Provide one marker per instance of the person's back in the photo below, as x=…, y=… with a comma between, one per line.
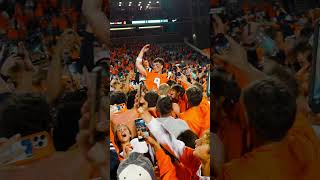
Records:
x=174, y=126
x=193, y=115
x=285, y=144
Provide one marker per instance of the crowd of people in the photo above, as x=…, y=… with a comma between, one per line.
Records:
x=48, y=62
x=262, y=123
x=160, y=112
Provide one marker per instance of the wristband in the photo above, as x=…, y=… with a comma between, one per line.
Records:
x=139, y=59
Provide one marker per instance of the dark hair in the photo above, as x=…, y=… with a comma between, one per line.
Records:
x=194, y=96
x=164, y=106
x=159, y=60
x=131, y=97
x=25, y=114
x=66, y=126
x=152, y=98
x=118, y=97
x=285, y=75
x=303, y=48
x=189, y=138
x=271, y=108
x=178, y=88
x=171, y=82
x=198, y=85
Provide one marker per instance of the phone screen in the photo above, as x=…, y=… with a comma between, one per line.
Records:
x=314, y=98
x=141, y=126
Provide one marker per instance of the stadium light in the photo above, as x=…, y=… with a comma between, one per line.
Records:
x=150, y=27
x=121, y=29
x=157, y=2
x=149, y=2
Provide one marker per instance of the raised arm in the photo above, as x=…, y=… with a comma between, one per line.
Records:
x=54, y=75
x=139, y=64
x=99, y=22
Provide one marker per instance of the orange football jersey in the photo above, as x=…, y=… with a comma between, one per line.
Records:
x=153, y=80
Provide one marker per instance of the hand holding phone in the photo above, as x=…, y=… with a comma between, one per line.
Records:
x=220, y=43
x=141, y=127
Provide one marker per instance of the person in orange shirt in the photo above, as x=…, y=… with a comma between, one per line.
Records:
x=166, y=167
x=39, y=11
x=12, y=34
x=62, y=23
x=193, y=116
x=281, y=144
x=154, y=78
x=197, y=160
x=177, y=94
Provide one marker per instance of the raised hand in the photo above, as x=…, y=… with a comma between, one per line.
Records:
x=236, y=55
x=145, y=48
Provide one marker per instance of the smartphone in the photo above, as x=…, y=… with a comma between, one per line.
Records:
x=95, y=96
x=220, y=43
x=31, y=148
x=314, y=95
x=141, y=126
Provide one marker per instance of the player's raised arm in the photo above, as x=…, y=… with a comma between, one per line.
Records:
x=139, y=64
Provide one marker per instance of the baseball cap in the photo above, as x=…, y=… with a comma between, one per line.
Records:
x=136, y=167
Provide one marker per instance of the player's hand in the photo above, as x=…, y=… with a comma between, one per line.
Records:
x=236, y=55
x=145, y=48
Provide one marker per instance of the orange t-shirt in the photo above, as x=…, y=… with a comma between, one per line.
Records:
x=54, y=22
x=296, y=157
x=167, y=170
x=12, y=34
x=39, y=11
x=3, y=23
x=205, y=112
x=63, y=23
x=154, y=80
x=233, y=131
x=183, y=103
x=195, y=120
